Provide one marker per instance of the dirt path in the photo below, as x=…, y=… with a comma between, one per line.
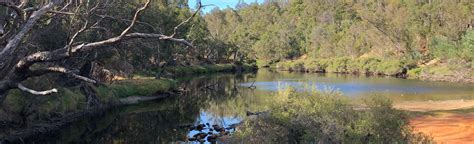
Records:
x=447, y=128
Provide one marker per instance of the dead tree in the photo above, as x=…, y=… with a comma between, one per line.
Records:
x=14, y=70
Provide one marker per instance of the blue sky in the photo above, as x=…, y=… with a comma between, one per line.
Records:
x=219, y=3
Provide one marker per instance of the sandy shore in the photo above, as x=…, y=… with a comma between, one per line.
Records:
x=425, y=106
x=444, y=127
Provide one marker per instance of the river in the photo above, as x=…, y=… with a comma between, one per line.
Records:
x=225, y=99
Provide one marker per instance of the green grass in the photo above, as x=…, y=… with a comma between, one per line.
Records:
x=15, y=101
x=197, y=69
x=66, y=100
x=128, y=88
x=73, y=100
x=415, y=73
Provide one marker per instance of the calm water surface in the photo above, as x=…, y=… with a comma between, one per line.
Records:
x=225, y=99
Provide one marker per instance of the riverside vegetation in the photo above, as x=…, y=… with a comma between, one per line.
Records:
x=22, y=110
x=431, y=40
x=130, y=48
x=329, y=117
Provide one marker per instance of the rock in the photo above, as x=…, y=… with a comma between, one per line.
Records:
x=255, y=113
x=222, y=132
x=250, y=113
x=200, y=135
x=200, y=127
x=217, y=128
x=192, y=139
x=212, y=138
x=232, y=126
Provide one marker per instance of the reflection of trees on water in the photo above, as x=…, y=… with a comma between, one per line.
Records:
x=219, y=95
x=226, y=98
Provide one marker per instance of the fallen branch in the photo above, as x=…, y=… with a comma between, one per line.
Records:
x=47, y=92
x=62, y=71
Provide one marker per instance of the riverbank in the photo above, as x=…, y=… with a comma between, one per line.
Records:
x=448, y=121
x=447, y=126
x=177, y=71
x=451, y=71
x=22, y=114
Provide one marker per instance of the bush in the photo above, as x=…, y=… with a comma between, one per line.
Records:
x=389, y=67
x=415, y=73
x=345, y=65
x=338, y=65
x=328, y=117
x=467, y=43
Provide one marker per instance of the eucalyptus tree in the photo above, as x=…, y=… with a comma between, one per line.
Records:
x=25, y=21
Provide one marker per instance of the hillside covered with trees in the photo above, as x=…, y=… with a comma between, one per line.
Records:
x=428, y=37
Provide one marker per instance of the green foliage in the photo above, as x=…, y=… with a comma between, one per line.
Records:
x=467, y=43
x=15, y=101
x=202, y=69
x=278, y=31
x=138, y=88
x=390, y=67
x=415, y=73
x=329, y=117
x=66, y=100
x=346, y=65
x=444, y=48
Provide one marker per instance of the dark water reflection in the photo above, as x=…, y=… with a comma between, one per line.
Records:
x=224, y=100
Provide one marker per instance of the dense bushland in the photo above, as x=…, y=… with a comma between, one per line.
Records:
x=412, y=33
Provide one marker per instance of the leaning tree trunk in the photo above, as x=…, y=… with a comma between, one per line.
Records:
x=15, y=68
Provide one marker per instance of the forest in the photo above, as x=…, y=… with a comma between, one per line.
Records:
x=62, y=60
x=432, y=38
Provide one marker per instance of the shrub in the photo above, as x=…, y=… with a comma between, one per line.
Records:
x=389, y=67
x=328, y=117
x=338, y=65
x=415, y=73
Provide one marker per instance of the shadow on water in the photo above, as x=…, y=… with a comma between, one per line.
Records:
x=225, y=99
x=215, y=99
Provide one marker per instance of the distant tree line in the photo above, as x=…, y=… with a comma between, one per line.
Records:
x=278, y=30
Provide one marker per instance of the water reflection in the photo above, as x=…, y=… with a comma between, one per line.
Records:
x=224, y=100
x=360, y=86
x=213, y=99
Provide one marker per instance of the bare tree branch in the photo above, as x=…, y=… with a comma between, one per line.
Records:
x=187, y=20
x=20, y=12
x=13, y=43
x=61, y=70
x=7, y=54
x=135, y=18
x=127, y=20
x=75, y=35
x=47, y=92
x=23, y=3
x=22, y=69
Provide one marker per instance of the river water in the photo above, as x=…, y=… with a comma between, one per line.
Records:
x=225, y=99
